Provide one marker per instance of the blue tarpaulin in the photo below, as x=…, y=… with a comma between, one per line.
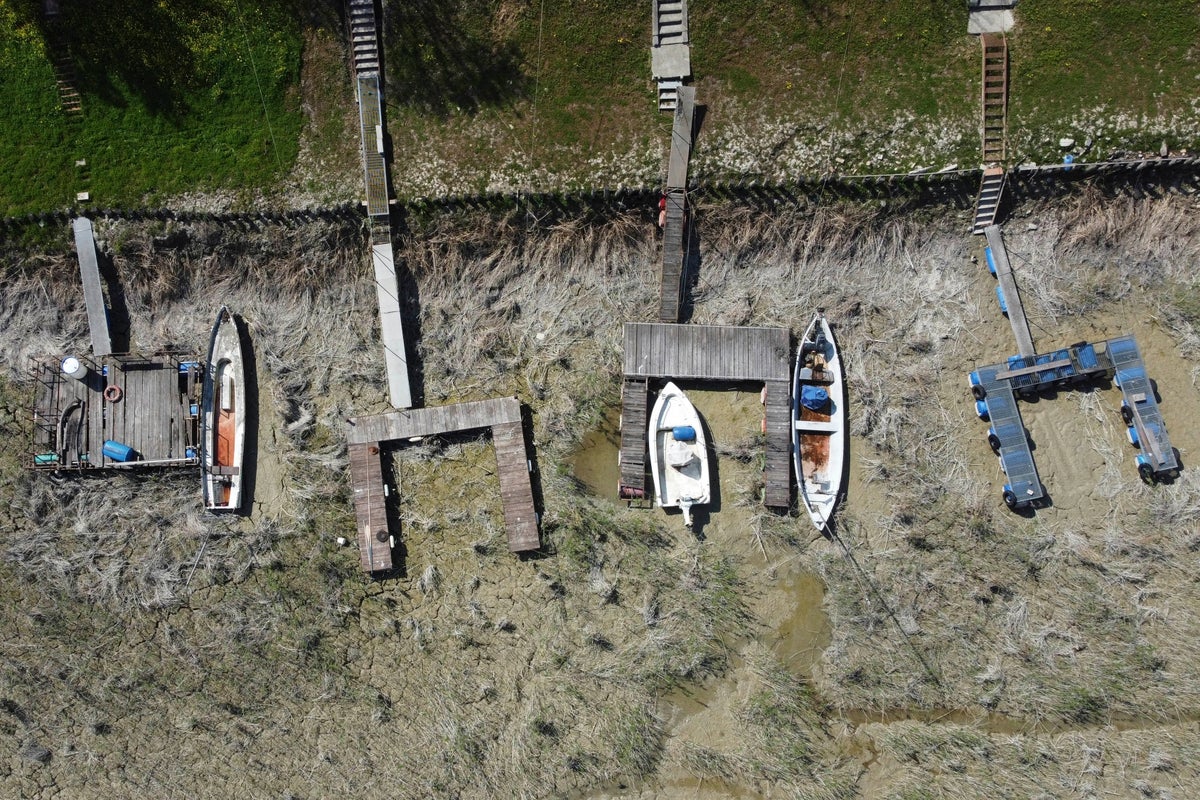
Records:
x=814, y=397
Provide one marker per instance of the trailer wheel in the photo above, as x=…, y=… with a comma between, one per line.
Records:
x=994, y=443
x=1146, y=473
x=1010, y=500
x=1127, y=415
x=978, y=392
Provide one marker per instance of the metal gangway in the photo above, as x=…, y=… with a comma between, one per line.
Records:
x=1141, y=413
x=995, y=402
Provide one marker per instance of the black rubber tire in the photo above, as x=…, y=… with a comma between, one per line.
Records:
x=1146, y=473
x=1126, y=415
x=994, y=443
x=1010, y=500
x=978, y=392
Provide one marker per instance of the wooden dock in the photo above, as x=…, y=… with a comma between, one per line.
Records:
x=370, y=507
x=1012, y=297
x=634, y=441
x=93, y=292
x=674, y=252
x=777, y=482
x=148, y=403
x=713, y=353
x=501, y=415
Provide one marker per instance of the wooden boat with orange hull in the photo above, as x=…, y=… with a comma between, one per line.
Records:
x=223, y=416
x=818, y=421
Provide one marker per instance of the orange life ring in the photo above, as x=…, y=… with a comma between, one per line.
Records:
x=113, y=393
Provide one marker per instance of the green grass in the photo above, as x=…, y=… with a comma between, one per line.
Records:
x=176, y=97
x=1134, y=59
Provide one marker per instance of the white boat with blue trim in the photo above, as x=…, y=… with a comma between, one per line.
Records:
x=678, y=454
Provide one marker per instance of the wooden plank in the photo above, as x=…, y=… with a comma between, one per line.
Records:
x=416, y=422
x=370, y=507
x=706, y=352
x=93, y=293
x=634, y=411
x=777, y=472
x=516, y=489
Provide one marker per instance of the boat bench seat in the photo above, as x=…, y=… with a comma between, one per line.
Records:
x=814, y=426
x=219, y=470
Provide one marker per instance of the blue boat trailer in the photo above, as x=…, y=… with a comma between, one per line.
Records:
x=1139, y=409
x=995, y=402
x=1069, y=366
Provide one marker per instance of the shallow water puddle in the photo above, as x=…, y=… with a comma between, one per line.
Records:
x=595, y=462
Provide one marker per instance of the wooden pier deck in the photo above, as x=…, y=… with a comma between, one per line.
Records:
x=777, y=483
x=155, y=413
x=501, y=415
x=370, y=507
x=674, y=253
x=93, y=292
x=634, y=441
x=1012, y=297
x=723, y=354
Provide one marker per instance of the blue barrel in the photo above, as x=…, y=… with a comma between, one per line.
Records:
x=684, y=433
x=1003, y=302
x=115, y=451
x=991, y=262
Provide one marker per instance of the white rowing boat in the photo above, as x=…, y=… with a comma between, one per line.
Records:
x=818, y=421
x=223, y=416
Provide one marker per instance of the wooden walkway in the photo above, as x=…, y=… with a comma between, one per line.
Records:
x=370, y=507
x=634, y=441
x=777, y=473
x=93, y=292
x=1012, y=297
x=674, y=253
x=501, y=415
x=155, y=413
x=713, y=353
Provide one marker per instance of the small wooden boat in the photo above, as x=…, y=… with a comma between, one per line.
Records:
x=678, y=453
x=223, y=416
x=818, y=421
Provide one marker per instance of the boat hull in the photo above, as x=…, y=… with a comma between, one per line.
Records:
x=678, y=453
x=818, y=422
x=223, y=417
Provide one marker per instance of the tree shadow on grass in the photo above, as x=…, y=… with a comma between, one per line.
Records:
x=436, y=63
x=134, y=43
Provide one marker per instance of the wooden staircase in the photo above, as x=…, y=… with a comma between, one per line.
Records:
x=364, y=37
x=987, y=206
x=995, y=97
